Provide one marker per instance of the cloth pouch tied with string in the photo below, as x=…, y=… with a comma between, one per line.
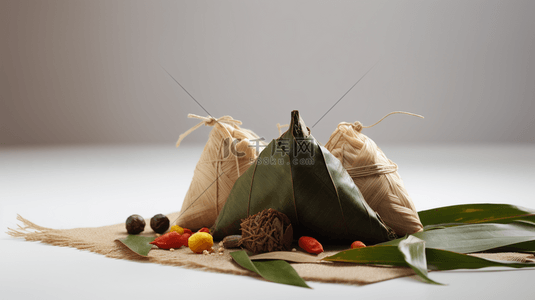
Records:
x=229, y=152
x=376, y=176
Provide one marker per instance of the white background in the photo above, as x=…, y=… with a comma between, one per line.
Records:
x=90, y=71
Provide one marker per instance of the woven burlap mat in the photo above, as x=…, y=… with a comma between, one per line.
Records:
x=102, y=240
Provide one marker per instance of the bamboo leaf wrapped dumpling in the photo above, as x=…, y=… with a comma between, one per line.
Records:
x=376, y=177
x=225, y=157
x=298, y=177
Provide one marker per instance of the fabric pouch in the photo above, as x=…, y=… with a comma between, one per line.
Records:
x=376, y=177
x=228, y=153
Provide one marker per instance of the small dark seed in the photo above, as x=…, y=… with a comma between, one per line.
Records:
x=159, y=223
x=135, y=224
x=231, y=241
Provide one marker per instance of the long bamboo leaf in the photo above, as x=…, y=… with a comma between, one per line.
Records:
x=413, y=251
x=436, y=259
x=525, y=247
x=447, y=260
x=475, y=213
x=290, y=256
x=478, y=237
x=277, y=271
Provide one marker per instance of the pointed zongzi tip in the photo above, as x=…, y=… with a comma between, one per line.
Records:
x=297, y=125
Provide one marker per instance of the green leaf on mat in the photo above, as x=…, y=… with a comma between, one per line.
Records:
x=447, y=260
x=374, y=255
x=298, y=257
x=478, y=237
x=436, y=259
x=137, y=243
x=475, y=213
x=277, y=271
x=413, y=251
x=525, y=247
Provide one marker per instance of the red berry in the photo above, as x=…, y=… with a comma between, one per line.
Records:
x=357, y=244
x=204, y=229
x=310, y=245
x=184, y=239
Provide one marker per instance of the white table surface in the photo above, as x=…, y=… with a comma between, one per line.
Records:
x=87, y=186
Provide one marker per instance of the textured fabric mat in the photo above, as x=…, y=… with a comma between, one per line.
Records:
x=102, y=240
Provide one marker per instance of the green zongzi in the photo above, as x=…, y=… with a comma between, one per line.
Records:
x=302, y=179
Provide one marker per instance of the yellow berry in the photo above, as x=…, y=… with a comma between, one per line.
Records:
x=177, y=228
x=200, y=241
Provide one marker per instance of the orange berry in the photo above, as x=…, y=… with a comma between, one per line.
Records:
x=357, y=244
x=310, y=245
x=204, y=229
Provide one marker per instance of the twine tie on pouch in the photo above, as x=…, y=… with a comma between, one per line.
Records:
x=358, y=126
x=374, y=169
x=207, y=121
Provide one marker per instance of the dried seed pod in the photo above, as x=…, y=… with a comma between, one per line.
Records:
x=231, y=241
x=266, y=231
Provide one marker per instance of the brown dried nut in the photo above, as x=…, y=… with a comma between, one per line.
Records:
x=135, y=224
x=159, y=223
x=231, y=241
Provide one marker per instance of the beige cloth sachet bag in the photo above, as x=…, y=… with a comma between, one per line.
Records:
x=228, y=153
x=375, y=175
